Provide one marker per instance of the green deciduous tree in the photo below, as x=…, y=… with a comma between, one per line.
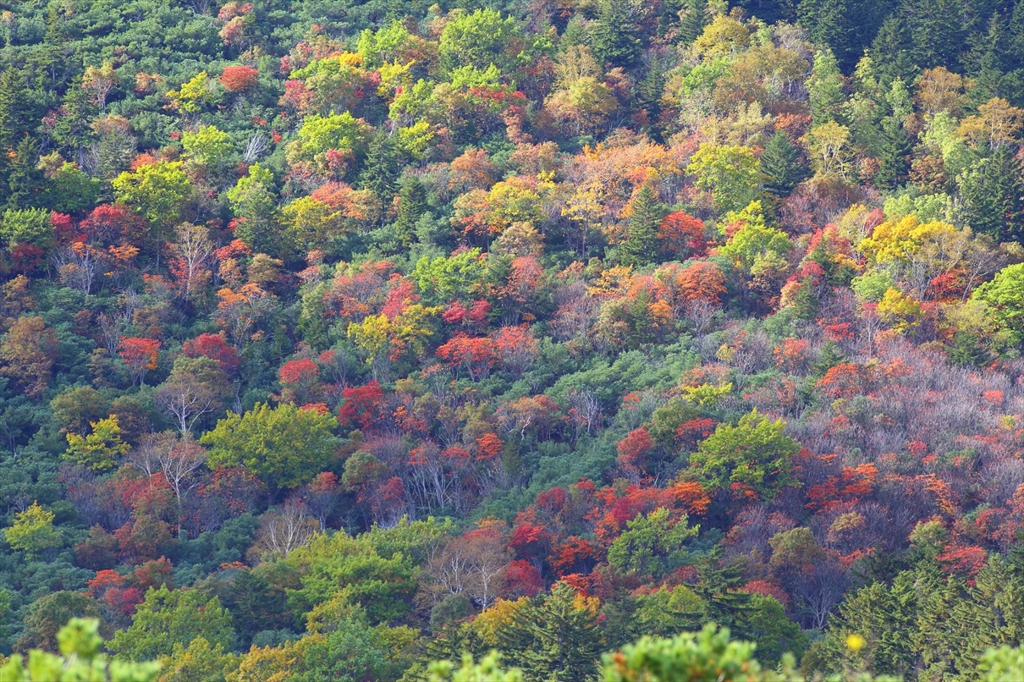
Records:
x=160, y=192
x=199, y=661
x=195, y=387
x=754, y=241
x=731, y=173
x=33, y=531
x=753, y=456
x=168, y=617
x=652, y=545
x=100, y=449
x=27, y=226
x=1004, y=295
x=80, y=643
x=380, y=581
x=479, y=39
x=284, y=445
x=330, y=144
x=48, y=614
x=208, y=150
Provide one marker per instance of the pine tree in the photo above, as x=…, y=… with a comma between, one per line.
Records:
x=641, y=245
x=56, y=27
x=993, y=193
x=613, y=38
x=412, y=203
x=780, y=164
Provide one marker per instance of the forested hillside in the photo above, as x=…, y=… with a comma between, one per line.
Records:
x=340, y=337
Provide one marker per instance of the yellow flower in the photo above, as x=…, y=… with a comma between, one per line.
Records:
x=855, y=643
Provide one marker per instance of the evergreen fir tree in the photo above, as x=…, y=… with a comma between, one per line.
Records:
x=991, y=616
x=967, y=350
x=826, y=21
x=934, y=638
x=994, y=66
x=1015, y=35
x=25, y=181
x=14, y=109
x=641, y=245
x=771, y=11
x=830, y=356
x=381, y=170
x=891, y=53
x=894, y=161
x=719, y=586
x=1015, y=557
x=669, y=16
x=553, y=637
x=938, y=30
x=825, y=88
x=650, y=90
x=412, y=203
x=885, y=617
x=613, y=38
x=694, y=21
x=780, y=164
x=72, y=130
x=993, y=193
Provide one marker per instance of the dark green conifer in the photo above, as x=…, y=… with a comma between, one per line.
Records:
x=381, y=170
x=993, y=193
x=781, y=166
x=894, y=161
x=641, y=245
x=412, y=203
x=552, y=638
x=613, y=38
x=26, y=183
x=694, y=20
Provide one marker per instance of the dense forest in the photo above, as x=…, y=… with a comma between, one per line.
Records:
x=340, y=338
